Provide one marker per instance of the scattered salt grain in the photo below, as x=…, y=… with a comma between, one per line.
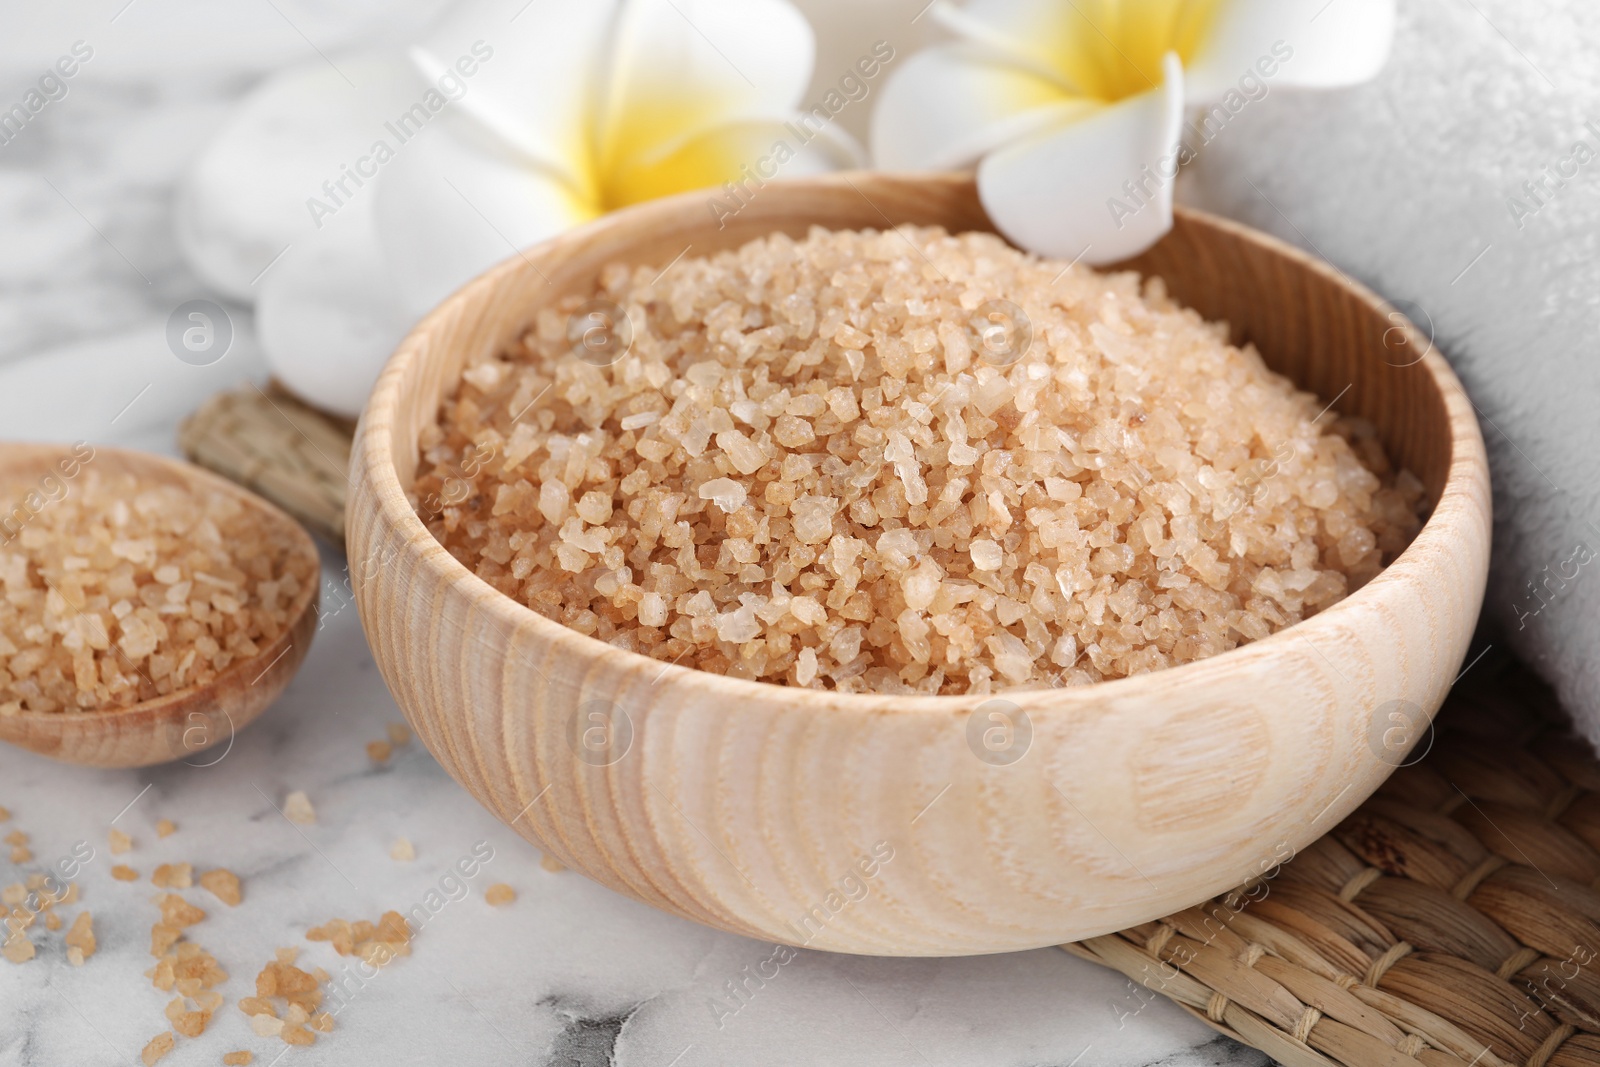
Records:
x=17, y=948
x=297, y=809
x=224, y=885
x=158, y=1047
x=80, y=939
x=173, y=876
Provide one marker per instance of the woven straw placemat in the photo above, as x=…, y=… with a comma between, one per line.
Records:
x=1452, y=920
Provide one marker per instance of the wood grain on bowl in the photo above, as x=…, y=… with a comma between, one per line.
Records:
x=186, y=723
x=924, y=825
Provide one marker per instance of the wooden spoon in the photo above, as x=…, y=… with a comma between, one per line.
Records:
x=182, y=724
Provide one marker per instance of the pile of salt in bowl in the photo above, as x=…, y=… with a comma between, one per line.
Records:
x=905, y=461
x=114, y=591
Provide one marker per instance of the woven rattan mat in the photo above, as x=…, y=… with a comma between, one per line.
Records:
x=1452, y=920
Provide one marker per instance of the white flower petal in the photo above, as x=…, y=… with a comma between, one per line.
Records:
x=243, y=200
x=535, y=72
x=680, y=67
x=1308, y=43
x=1058, y=193
x=329, y=314
x=950, y=104
x=449, y=206
x=1028, y=32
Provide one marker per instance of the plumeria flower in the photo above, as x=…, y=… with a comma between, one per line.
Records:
x=1073, y=110
x=349, y=197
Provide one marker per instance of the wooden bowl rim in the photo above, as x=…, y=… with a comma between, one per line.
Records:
x=157, y=707
x=1453, y=516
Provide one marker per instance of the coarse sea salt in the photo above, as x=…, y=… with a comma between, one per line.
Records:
x=122, y=591
x=807, y=470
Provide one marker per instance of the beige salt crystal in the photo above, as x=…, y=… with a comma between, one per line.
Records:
x=726, y=493
x=553, y=501
x=162, y=937
x=224, y=885
x=738, y=626
x=806, y=666
x=594, y=507
x=80, y=939
x=986, y=555
x=399, y=734
x=403, y=850
x=17, y=948
x=257, y=1006
x=745, y=456
x=812, y=519
x=297, y=809
x=178, y=913
x=499, y=894
x=652, y=609
x=921, y=585
x=158, y=1047
x=808, y=611
x=173, y=876
x=166, y=828
x=120, y=842
x=811, y=468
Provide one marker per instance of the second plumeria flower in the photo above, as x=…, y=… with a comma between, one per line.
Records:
x=1072, y=110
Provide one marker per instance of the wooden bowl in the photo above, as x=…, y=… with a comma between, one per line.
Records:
x=180, y=725
x=875, y=824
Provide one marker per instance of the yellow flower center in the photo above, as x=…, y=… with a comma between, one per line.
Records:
x=1112, y=49
x=642, y=152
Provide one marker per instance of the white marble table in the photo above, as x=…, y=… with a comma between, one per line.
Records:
x=569, y=974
